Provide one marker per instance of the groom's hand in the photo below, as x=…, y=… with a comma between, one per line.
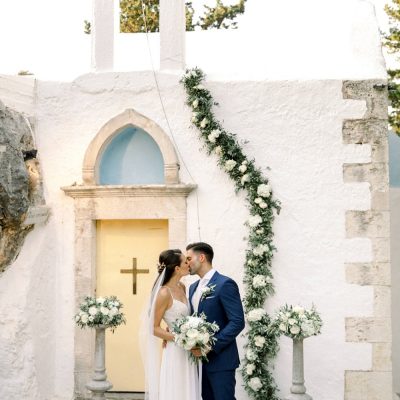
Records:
x=196, y=351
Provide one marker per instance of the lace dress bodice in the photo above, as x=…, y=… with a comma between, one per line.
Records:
x=176, y=311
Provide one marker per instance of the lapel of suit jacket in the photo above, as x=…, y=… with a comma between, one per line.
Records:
x=210, y=283
x=192, y=289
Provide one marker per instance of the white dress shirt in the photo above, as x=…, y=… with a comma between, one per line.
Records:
x=203, y=282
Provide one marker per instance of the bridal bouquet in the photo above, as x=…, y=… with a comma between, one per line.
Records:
x=105, y=311
x=194, y=331
x=297, y=322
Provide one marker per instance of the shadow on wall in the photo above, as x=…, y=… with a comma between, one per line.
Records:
x=394, y=178
x=394, y=160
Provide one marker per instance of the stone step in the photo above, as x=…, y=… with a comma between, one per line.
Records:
x=124, y=396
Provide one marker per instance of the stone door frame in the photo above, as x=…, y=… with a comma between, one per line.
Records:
x=94, y=202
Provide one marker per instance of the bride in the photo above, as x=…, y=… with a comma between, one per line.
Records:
x=176, y=378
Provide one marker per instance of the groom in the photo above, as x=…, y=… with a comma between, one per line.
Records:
x=218, y=297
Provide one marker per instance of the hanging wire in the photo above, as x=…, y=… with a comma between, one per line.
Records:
x=166, y=117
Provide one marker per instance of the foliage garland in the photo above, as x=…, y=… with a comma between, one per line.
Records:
x=261, y=346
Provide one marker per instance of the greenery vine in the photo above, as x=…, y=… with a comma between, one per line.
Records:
x=261, y=346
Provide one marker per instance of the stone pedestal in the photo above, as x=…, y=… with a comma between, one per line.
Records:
x=99, y=384
x=298, y=390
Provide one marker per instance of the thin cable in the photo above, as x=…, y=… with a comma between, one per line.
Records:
x=166, y=117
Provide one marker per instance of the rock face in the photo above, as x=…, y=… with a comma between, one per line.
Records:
x=20, y=184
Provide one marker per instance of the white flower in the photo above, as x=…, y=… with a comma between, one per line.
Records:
x=264, y=190
x=189, y=344
x=250, y=368
x=298, y=309
x=77, y=317
x=292, y=321
x=113, y=311
x=245, y=178
x=91, y=318
x=229, y=165
x=260, y=249
x=251, y=355
x=218, y=150
x=258, y=200
x=255, y=315
x=200, y=87
x=104, y=310
x=195, y=103
x=84, y=318
x=255, y=384
x=216, y=132
x=204, y=122
x=295, y=329
x=261, y=230
x=204, y=337
x=184, y=328
x=243, y=168
x=212, y=137
x=194, y=322
x=192, y=333
x=259, y=341
x=100, y=300
x=93, y=310
x=263, y=204
x=282, y=327
x=259, y=281
x=307, y=328
x=254, y=220
x=194, y=116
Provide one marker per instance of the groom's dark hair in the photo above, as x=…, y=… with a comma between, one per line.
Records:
x=204, y=248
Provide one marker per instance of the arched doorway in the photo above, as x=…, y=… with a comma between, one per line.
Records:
x=123, y=212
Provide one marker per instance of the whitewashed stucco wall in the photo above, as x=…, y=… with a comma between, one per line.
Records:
x=293, y=127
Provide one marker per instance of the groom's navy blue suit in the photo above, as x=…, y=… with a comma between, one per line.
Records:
x=224, y=307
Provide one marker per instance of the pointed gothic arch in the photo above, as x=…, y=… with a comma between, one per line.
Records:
x=116, y=125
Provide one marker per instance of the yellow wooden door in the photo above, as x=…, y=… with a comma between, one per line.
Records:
x=118, y=242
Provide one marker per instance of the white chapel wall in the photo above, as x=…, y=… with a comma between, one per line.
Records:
x=293, y=125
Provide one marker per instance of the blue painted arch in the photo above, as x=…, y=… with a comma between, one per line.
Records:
x=131, y=158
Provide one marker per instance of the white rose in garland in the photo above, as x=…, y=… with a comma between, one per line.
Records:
x=255, y=384
x=263, y=207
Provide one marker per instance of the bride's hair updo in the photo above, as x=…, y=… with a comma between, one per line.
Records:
x=168, y=260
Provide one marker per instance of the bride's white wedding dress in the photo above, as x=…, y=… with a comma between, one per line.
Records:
x=178, y=375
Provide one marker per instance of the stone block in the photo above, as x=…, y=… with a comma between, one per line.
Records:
x=380, y=200
x=368, y=329
x=365, y=131
x=374, y=173
x=373, y=224
x=368, y=273
x=373, y=91
x=381, y=250
x=368, y=385
x=382, y=301
x=382, y=356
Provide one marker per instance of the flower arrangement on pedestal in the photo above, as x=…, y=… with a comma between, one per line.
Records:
x=103, y=311
x=298, y=323
x=100, y=314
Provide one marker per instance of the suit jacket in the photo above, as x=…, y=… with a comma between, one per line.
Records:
x=223, y=307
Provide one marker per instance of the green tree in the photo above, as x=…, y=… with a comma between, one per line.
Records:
x=392, y=42
x=220, y=16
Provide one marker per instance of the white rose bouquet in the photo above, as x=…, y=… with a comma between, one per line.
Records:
x=194, y=331
x=297, y=322
x=104, y=311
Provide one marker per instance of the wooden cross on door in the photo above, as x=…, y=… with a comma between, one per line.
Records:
x=134, y=271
